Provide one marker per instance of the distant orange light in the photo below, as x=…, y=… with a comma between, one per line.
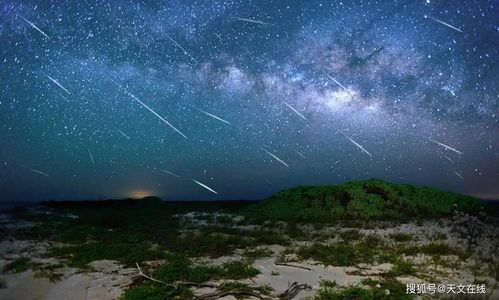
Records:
x=140, y=194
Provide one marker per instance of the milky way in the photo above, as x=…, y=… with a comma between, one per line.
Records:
x=181, y=99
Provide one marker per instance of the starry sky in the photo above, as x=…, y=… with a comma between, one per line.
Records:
x=240, y=99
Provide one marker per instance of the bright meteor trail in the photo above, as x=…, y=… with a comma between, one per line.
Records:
x=213, y=116
x=152, y=111
x=34, y=26
x=250, y=21
x=275, y=157
x=295, y=111
x=57, y=83
x=205, y=186
x=336, y=81
x=446, y=146
x=446, y=24
x=357, y=144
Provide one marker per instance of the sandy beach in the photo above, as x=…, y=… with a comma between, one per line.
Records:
x=49, y=277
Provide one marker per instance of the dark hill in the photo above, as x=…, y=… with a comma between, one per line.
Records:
x=366, y=199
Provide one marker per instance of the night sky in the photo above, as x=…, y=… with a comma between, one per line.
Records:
x=240, y=99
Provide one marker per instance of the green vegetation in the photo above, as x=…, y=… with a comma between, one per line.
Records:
x=257, y=253
x=334, y=255
x=434, y=249
x=387, y=290
x=350, y=235
x=213, y=244
x=439, y=236
x=135, y=231
x=401, y=237
x=366, y=200
x=402, y=267
x=126, y=253
x=179, y=268
x=372, y=249
x=21, y=264
x=130, y=231
x=369, y=249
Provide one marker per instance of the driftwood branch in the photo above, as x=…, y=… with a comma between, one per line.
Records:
x=194, y=284
x=288, y=294
x=151, y=278
x=217, y=295
x=293, y=290
x=293, y=266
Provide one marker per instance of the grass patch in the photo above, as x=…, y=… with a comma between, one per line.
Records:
x=370, y=249
x=238, y=270
x=351, y=235
x=258, y=253
x=439, y=236
x=397, y=291
x=402, y=267
x=19, y=265
x=401, y=237
x=127, y=253
x=210, y=244
x=179, y=268
x=434, y=249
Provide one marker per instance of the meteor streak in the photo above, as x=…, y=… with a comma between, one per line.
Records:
x=293, y=109
x=250, y=20
x=446, y=146
x=34, y=26
x=91, y=157
x=357, y=144
x=336, y=81
x=458, y=175
x=213, y=116
x=64, y=97
x=57, y=83
x=448, y=158
x=123, y=134
x=170, y=173
x=151, y=110
x=300, y=154
x=182, y=48
x=37, y=171
x=275, y=157
x=205, y=186
x=446, y=24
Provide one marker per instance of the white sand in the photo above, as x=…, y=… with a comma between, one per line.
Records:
x=107, y=282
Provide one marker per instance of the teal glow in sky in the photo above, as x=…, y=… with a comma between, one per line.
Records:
x=240, y=99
